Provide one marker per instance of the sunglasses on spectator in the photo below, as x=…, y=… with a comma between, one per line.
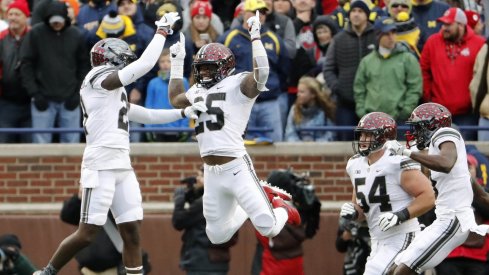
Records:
x=400, y=5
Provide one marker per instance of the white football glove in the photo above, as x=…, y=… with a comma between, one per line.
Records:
x=388, y=220
x=177, y=50
x=395, y=147
x=348, y=211
x=254, y=26
x=166, y=21
x=194, y=111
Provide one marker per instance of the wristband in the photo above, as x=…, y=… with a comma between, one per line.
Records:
x=406, y=152
x=403, y=215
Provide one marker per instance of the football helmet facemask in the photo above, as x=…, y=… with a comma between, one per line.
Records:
x=111, y=51
x=424, y=121
x=215, y=56
x=380, y=126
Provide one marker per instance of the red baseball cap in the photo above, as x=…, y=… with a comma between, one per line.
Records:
x=453, y=15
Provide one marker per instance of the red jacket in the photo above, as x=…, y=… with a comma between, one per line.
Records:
x=474, y=253
x=446, y=80
x=285, y=257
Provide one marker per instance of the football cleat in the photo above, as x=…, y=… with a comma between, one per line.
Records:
x=294, y=217
x=274, y=191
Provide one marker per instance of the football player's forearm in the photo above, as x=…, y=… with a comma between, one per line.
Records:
x=147, y=116
x=261, y=68
x=421, y=204
x=176, y=93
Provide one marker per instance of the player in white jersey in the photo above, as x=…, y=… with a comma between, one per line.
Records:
x=232, y=190
x=389, y=192
x=447, y=161
x=107, y=177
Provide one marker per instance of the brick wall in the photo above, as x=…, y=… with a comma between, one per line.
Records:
x=49, y=173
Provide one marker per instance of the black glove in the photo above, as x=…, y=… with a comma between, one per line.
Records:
x=72, y=102
x=41, y=102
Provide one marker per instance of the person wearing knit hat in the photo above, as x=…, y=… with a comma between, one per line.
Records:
x=73, y=9
x=202, y=8
x=200, y=30
x=361, y=5
x=112, y=25
x=20, y=5
x=474, y=21
x=15, y=103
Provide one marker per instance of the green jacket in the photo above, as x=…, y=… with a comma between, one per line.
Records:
x=392, y=85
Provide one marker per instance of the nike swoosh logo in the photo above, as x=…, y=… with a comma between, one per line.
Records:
x=234, y=174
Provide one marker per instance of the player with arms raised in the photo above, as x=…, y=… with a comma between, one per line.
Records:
x=232, y=190
x=107, y=177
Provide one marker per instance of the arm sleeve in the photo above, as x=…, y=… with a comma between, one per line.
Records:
x=143, y=115
x=145, y=63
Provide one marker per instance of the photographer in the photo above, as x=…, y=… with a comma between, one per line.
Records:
x=354, y=240
x=12, y=261
x=198, y=255
x=283, y=254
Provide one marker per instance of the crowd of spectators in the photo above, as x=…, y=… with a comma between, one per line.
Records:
x=330, y=61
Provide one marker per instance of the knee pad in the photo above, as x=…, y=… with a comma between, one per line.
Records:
x=264, y=223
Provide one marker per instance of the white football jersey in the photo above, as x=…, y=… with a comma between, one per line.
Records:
x=453, y=190
x=378, y=190
x=220, y=130
x=105, y=122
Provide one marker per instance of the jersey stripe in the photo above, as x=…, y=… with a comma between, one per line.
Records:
x=445, y=133
x=438, y=244
x=85, y=206
x=408, y=238
x=248, y=162
x=98, y=74
x=410, y=164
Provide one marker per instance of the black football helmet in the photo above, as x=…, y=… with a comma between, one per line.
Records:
x=382, y=126
x=111, y=51
x=424, y=121
x=214, y=54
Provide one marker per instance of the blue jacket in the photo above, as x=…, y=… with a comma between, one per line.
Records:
x=313, y=117
x=157, y=98
x=425, y=16
x=238, y=40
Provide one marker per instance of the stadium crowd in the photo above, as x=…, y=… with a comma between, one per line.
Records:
x=330, y=62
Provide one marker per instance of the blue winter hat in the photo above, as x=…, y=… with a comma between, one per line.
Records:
x=384, y=24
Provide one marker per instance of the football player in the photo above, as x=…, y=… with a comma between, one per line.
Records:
x=107, y=177
x=232, y=190
x=389, y=192
x=447, y=161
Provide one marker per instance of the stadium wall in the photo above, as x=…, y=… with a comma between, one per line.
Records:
x=35, y=179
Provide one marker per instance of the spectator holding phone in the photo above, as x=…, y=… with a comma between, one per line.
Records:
x=200, y=29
